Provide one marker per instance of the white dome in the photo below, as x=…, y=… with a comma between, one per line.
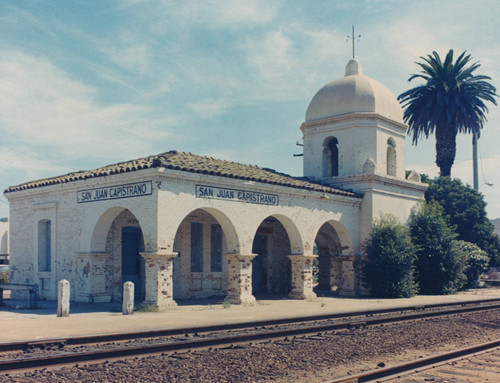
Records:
x=354, y=93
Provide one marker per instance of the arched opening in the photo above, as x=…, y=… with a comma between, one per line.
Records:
x=271, y=268
x=122, y=260
x=391, y=157
x=326, y=267
x=200, y=269
x=132, y=262
x=116, y=243
x=330, y=157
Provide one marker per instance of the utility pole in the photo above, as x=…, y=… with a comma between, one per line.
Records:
x=474, y=161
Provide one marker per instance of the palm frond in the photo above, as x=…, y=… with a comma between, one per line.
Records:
x=453, y=97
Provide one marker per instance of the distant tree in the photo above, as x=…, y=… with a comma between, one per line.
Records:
x=440, y=269
x=466, y=212
x=390, y=256
x=451, y=101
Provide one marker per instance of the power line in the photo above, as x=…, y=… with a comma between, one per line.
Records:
x=482, y=167
x=34, y=156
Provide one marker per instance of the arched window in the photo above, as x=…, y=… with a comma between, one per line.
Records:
x=391, y=157
x=330, y=157
x=44, y=245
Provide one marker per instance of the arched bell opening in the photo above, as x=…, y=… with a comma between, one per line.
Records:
x=391, y=157
x=330, y=157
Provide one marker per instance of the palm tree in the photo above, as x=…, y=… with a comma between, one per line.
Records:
x=452, y=101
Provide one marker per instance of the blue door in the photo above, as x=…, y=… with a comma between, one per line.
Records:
x=259, y=279
x=131, y=259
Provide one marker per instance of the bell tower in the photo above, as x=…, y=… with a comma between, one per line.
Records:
x=354, y=125
x=354, y=138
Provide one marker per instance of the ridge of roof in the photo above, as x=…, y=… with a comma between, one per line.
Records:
x=188, y=162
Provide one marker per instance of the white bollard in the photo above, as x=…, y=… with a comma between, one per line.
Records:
x=63, y=298
x=128, y=298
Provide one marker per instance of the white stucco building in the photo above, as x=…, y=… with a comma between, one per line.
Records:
x=184, y=226
x=4, y=240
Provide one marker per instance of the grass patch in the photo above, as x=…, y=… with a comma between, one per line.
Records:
x=4, y=276
x=147, y=309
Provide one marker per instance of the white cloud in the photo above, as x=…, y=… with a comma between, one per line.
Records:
x=290, y=61
x=223, y=14
x=208, y=108
x=42, y=106
x=25, y=161
x=130, y=52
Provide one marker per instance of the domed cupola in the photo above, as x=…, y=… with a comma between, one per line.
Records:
x=354, y=93
x=354, y=126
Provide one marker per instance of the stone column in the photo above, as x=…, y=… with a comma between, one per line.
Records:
x=239, y=278
x=347, y=286
x=336, y=277
x=159, y=270
x=63, y=293
x=93, y=278
x=302, y=277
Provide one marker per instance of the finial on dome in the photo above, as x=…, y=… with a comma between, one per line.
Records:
x=353, y=67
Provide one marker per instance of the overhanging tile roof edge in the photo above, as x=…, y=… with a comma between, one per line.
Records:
x=190, y=163
x=309, y=185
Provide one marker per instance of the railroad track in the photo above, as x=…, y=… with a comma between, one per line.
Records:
x=420, y=369
x=354, y=318
x=255, y=332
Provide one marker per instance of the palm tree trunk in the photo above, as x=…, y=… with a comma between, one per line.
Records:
x=446, y=148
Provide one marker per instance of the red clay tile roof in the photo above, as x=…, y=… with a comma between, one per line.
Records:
x=189, y=162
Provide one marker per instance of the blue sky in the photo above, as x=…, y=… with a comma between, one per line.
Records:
x=88, y=83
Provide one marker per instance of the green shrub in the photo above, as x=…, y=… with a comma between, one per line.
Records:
x=389, y=268
x=440, y=268
x=476, y=261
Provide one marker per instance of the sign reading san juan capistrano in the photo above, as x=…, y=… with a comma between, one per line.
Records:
x=136, y=189
x=203, y=191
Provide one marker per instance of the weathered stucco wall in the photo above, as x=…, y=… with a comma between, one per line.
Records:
x=86, y=237
x=4, y=237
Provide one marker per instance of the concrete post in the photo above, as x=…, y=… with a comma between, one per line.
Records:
x=159, y=270
x=128, y=298
x=302, y=277
x=239, y=278
x=63, y=298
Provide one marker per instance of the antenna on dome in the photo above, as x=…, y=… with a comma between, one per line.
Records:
x=353, y=37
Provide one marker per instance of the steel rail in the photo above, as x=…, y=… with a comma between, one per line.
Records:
x=417, y=365
x=111, y=337
x=189, y=344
